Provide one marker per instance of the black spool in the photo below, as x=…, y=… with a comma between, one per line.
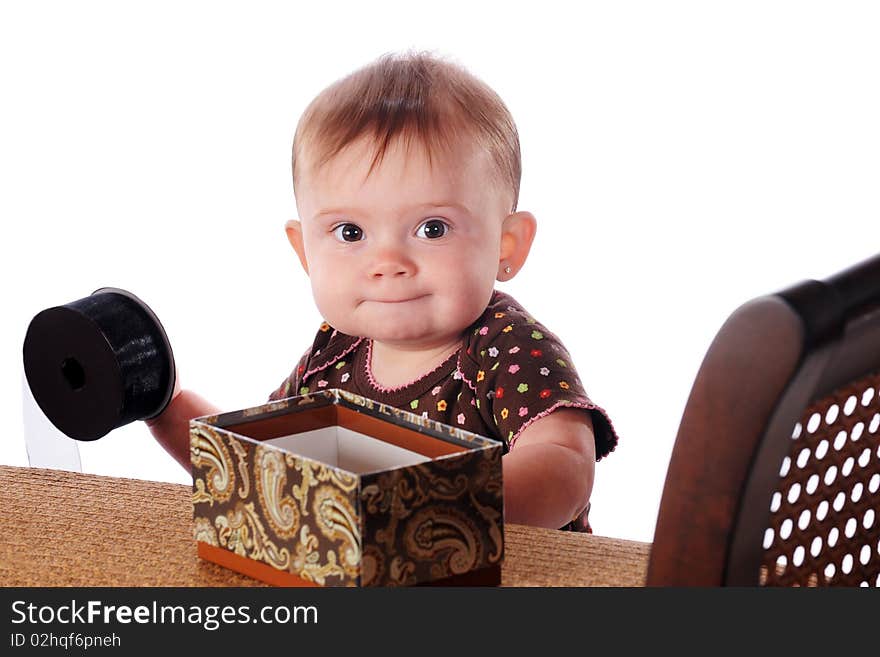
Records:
x=99, y=363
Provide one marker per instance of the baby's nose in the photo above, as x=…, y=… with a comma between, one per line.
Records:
x=392, y=263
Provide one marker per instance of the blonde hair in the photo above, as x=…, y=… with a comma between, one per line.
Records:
x=414, y=97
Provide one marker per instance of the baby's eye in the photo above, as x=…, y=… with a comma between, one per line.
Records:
x=433, y=228
x=348, y=233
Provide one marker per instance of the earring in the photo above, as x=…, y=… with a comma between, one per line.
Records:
x=507, y=269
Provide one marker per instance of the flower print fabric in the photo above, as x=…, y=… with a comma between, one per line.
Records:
x=509, y=372
x=521, y=372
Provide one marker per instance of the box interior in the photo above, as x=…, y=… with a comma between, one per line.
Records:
x=350, y=437
x=347, y=449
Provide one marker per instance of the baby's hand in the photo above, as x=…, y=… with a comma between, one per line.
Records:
x=171, y=428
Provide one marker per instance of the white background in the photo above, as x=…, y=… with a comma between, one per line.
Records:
x=681, y=158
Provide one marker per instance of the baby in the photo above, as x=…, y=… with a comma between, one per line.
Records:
x=406, y=177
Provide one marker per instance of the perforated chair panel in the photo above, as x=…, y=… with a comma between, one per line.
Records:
x=824, y=528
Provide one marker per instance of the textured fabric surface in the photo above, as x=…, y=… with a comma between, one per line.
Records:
x=823, y=528
x=69, y=529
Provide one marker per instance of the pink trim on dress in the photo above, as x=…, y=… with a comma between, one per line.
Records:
x=329, y=363
x=369, y=373
x=463, y=377
x=545, y=413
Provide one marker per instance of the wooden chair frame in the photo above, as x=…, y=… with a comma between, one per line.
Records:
x=772, y=358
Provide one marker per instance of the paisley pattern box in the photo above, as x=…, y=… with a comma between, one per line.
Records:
x=333, y=489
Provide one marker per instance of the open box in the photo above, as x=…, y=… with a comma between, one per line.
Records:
x=333, y=489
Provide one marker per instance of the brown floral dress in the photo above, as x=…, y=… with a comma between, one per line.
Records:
x=509, y=372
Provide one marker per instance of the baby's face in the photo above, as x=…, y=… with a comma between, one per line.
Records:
x=407, y=256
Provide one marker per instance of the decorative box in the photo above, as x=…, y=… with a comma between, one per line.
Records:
x=333, y=489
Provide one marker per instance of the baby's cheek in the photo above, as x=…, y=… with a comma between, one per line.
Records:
x=466, y=297
x=330, y=300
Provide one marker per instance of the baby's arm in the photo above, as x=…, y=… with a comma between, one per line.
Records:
x=548, y=473
x=171, y=429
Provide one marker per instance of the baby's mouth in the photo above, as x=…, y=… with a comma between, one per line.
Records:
x=400, y=300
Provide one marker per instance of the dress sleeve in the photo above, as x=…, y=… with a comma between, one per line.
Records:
x=291, y=385
x=521, y=372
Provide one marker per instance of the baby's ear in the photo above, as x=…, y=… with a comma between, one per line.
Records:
x=517, y=234
x=293, y=229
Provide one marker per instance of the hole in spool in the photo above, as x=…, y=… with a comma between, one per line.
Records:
x=73, y=373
